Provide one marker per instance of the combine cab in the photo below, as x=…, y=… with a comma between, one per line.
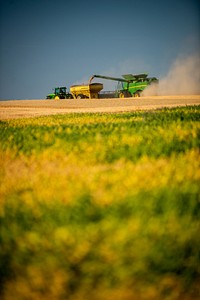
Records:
x=60, y=93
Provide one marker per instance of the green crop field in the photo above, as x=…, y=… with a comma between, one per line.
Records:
x=101, y=206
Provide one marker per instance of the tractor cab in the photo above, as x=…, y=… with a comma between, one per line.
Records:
x=60, y=91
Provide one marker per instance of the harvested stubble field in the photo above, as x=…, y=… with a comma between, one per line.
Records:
x=29, y=108
x=101, y=206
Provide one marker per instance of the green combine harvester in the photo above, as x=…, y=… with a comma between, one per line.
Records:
x=130, y=85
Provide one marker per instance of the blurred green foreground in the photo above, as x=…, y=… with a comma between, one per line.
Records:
x=101, y=206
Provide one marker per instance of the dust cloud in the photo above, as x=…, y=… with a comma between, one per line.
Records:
x=183, y=78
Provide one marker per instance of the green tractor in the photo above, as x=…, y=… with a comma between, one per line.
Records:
x=60, y=93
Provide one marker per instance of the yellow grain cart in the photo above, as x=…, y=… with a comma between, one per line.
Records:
x=86, y=91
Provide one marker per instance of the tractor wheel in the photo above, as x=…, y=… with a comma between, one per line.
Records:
x=56, y=98
x=69, y=96
x=137, y=94
x=80, y=96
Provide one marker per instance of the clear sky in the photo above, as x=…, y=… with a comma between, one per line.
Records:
x=48, y=43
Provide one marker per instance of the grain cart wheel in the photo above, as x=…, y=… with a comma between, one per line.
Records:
x=80, y=96
x=137, y=94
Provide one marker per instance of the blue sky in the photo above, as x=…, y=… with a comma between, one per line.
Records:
x=48, y=43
